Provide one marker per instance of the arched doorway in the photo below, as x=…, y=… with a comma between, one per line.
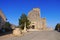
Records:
x=33, y=26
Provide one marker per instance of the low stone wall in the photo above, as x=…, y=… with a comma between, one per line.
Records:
x=17, y=32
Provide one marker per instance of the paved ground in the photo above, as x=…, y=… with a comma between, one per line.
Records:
x=44, y=35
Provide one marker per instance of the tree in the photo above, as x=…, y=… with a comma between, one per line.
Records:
x=23, y=19
x=7, y=27
x=57, y=26
x=7, y=24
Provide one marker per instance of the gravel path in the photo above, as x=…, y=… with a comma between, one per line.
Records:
x=43, y=35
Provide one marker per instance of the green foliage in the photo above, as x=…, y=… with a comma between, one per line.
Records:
x=27, y=24
x=7, y=24
x=7, y=27
x=57, y=26
x=23, y=19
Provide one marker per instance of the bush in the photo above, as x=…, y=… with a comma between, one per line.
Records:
x=57, y=27
x=7, y=27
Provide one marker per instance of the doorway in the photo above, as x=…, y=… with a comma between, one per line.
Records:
x=33, y=26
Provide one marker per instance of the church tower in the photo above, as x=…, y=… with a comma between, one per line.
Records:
x=34, y=17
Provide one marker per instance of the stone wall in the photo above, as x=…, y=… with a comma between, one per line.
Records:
x=2, y=18
x=43, y=23
x=2, y=15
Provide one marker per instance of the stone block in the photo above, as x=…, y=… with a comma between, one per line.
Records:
x=17, y=32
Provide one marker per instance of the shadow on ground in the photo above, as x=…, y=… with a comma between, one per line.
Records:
x=5, y=33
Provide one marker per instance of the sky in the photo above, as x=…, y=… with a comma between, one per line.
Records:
x=49, y=9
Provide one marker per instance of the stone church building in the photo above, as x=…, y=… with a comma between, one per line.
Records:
x=35, y=18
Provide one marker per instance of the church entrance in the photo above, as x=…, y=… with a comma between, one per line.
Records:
x=33, y=26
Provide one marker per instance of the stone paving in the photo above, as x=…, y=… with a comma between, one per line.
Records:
x=42, y=35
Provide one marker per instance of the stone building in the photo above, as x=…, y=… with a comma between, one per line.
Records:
x=2, y=19
x=3, y=22
x=35, y=18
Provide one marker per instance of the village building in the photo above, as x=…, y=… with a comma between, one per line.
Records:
x=2, y=19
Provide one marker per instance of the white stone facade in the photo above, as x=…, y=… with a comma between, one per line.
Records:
x=36, y=20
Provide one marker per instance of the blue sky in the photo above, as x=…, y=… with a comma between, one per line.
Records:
x=50, y=9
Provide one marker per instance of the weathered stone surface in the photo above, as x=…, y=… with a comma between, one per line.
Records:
x=2, y=15
x=17, y=32
x=36, y=20
x=43, y=23
x=13, y=26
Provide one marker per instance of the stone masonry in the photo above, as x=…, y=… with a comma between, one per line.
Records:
x=35, y=18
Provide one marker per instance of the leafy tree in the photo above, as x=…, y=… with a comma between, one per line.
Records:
x=23, y=19
x=7, y=24
x=57, y=26
x=7, y=27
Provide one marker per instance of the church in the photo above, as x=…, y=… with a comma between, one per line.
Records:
x=34, y=17
x=37, y=22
